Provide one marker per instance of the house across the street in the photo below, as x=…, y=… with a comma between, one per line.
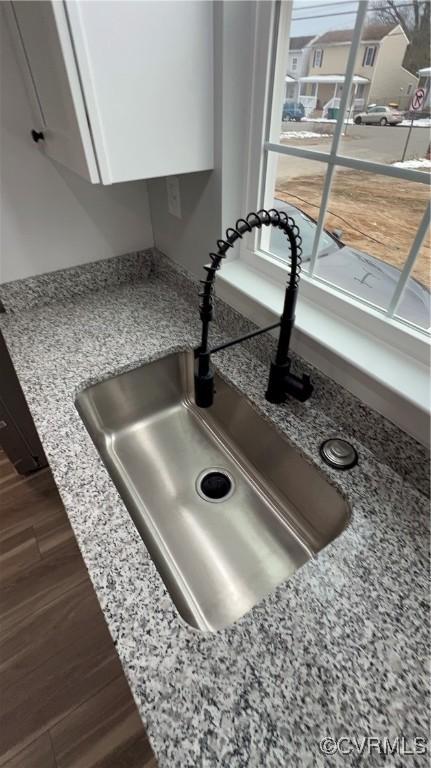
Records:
x=380, y=77
x=297, y=63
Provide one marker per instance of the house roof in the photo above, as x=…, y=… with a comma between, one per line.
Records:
x=298, y=43
x=371, y=32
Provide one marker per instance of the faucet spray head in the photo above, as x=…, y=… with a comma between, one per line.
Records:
x=204, y=390
x=204, y=382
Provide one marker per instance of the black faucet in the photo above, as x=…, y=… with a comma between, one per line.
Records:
x=281, y=382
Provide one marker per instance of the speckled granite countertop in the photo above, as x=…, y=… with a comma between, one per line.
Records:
x=339, y=649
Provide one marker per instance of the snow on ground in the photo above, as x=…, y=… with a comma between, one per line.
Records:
x=422, y=164
x=424, y=122
x=323, y=120
x=303, y=135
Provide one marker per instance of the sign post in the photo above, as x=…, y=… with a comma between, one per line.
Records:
x=416, y=105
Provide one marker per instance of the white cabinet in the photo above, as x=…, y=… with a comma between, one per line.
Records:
x=124, y=88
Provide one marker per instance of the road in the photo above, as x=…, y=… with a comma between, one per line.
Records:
x=366, y=142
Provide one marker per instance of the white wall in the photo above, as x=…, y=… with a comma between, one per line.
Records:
x=212, y=201
x=51, y=218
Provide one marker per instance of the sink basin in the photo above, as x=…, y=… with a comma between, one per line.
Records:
x=226, y=507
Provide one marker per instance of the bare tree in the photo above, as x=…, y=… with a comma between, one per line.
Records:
x=414, y=18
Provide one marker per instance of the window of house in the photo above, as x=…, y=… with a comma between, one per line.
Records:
x=364, y=223
x=294, y=63
x=409, y=89
x=369, y=56
x=318, y=57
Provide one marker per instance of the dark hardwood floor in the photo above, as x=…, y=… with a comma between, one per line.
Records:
x=64, y=700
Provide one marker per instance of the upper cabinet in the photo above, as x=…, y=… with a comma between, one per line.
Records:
x=123, y=89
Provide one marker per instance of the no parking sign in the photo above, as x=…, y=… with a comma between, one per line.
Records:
x=418, y=99
x=416, y=105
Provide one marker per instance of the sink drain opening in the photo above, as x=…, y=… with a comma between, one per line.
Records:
x=215, y=485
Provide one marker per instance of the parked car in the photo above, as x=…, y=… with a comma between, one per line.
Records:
x=379, y=116
x=293, y=110
x=365, y=276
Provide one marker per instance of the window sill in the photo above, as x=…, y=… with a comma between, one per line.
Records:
x=385, y=377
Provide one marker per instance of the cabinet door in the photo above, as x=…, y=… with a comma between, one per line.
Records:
x=44, y=35
x=146, y=70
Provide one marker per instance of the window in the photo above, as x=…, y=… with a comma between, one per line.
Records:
x=409, y=89
x=294, y=63
x=369, y=56
x=364, y=220
x=317, y=57
x=290, y=91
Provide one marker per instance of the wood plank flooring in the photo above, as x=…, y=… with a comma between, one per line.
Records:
x=64, y=700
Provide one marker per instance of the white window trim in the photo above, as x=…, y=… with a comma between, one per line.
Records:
x=400, y=340
x=392, y=382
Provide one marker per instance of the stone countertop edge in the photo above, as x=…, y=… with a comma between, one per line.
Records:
x=340, y=648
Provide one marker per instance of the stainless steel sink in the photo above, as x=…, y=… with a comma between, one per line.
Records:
x=272, y=509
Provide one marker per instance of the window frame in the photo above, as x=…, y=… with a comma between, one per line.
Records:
x=273, y=20
x=318, y=54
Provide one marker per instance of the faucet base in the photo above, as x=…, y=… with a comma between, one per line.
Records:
x=282, y=383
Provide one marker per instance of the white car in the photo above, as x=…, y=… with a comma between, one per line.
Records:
x=358, y=273
x=379, y=116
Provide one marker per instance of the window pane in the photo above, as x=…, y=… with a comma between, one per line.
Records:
x=419, y=285
x=298, y=191
x=376, y=218
x=310, y=86
x=385, y=80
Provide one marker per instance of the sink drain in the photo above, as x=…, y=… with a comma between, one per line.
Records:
x=215, y=485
